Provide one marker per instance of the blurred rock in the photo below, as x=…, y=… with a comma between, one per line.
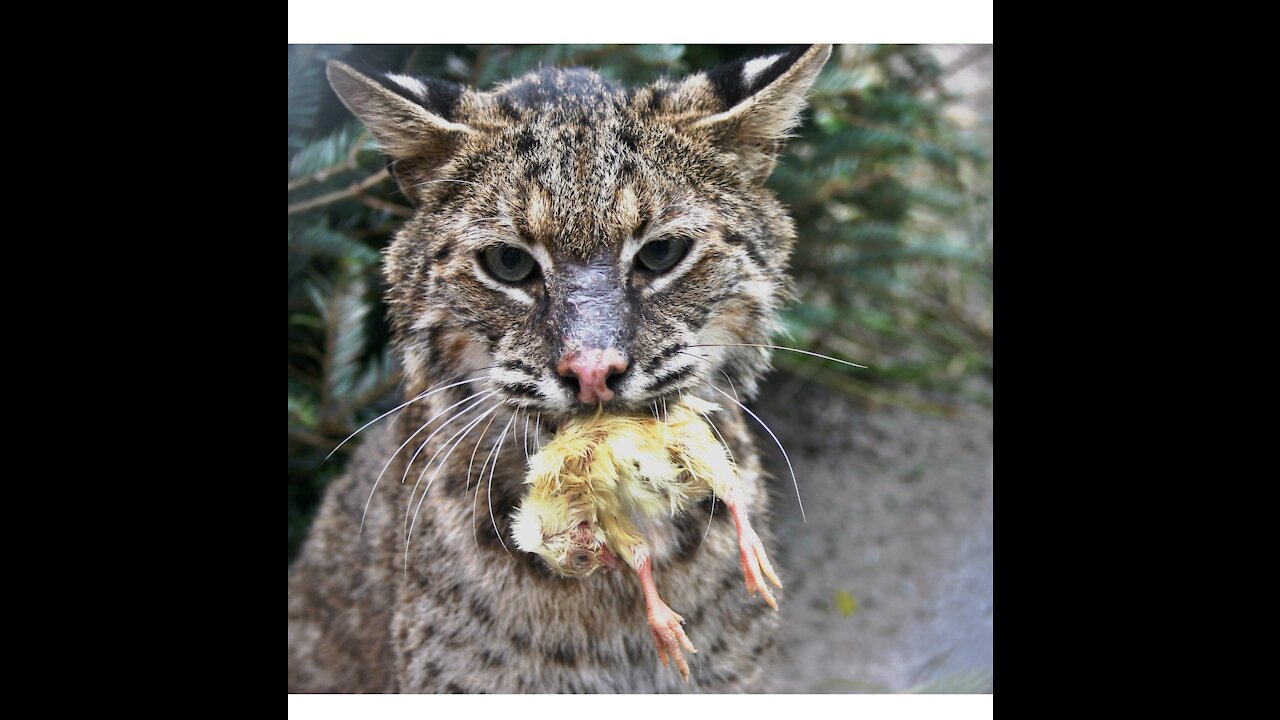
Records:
x=889, y=585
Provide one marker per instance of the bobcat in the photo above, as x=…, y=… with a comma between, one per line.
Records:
x=574, y=244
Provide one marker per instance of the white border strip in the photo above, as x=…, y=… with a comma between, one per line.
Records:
x=590, y=21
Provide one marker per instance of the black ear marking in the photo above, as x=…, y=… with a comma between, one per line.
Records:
x=439, y=97
x=753, y=104
x=436, y=96
x=732, y=83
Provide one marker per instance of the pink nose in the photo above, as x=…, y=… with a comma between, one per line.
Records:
x=592, y=368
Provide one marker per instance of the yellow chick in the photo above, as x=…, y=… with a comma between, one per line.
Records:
x=600, y=473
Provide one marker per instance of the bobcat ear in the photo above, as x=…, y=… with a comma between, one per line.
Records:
x=758, y=102
x=409, y=118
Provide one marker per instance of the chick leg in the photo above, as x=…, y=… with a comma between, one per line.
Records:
x=755, y=563
x=664, y=623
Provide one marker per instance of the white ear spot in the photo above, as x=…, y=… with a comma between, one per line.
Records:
x=755, y=67
x=411, y=84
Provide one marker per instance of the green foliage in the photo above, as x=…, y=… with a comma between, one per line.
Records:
x=892, y=200
x=894, y=264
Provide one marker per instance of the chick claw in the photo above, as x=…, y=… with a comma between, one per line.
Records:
x=754, y=562
x=669, y=637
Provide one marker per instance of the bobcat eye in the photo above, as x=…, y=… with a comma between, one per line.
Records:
x=508, y=263
x=662, y=255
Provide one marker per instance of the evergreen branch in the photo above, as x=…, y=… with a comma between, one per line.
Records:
x=321, y=240
x=325, y=157
x=964, y=61
x=917, y=134
x=377, y=230
x=309, y=438
x=333, y=197
x=344, y=312
x=331, y=321
x=306, y=351
x=413, y=58
x=355, y=148
x=390, y=207
x=382, y=388
x=325, y=174
x=937, y=85
x=949, y=312
x=304, y=61
x=477, y=68
x=588, y=56
x=840, y=186
x=296, y=373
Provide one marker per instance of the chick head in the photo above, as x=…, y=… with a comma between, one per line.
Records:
x=563, y=535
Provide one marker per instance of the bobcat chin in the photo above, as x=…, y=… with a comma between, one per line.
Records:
x=574, y=244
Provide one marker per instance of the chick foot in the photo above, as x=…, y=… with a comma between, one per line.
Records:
x=664, y=624
x=668, y=637
x=752, y=558
x=756, y=567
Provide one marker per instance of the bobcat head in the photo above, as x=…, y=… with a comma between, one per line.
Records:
x=586, y=243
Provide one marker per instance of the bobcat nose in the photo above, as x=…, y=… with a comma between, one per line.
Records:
x=592, y=369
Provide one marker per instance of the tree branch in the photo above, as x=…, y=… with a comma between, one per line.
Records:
x=964, y=61
x=412, y=59
x=382, y=388
x=325, y=174
x=350, y=192
x=309, y=438
x=477, y=69
x=587, y=56
x=390, y=207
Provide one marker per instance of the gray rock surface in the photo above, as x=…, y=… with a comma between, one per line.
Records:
x=889, y=585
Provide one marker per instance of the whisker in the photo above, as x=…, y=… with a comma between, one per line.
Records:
x=434, y=182
x=537, y=431
x=482, y=395
x=489, y=493
x=465, y=431
x=437, y=452
x=400, y=391
x=397, y=452
x=776, y=440
x=443, y=461
x=479, y=482
x=712, y=515
x=425, y=393
x=665, y=424
x=783, y=347
x=659, y=420
x=467, y=482
x=396, y=419
x=731, y=385
x=379, y=478
x=526, y=438
x=727, y=449
x=719, y=370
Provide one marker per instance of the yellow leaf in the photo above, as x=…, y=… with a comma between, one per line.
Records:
x=845, y=603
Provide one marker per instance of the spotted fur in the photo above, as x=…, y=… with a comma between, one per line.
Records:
x=580, y=174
